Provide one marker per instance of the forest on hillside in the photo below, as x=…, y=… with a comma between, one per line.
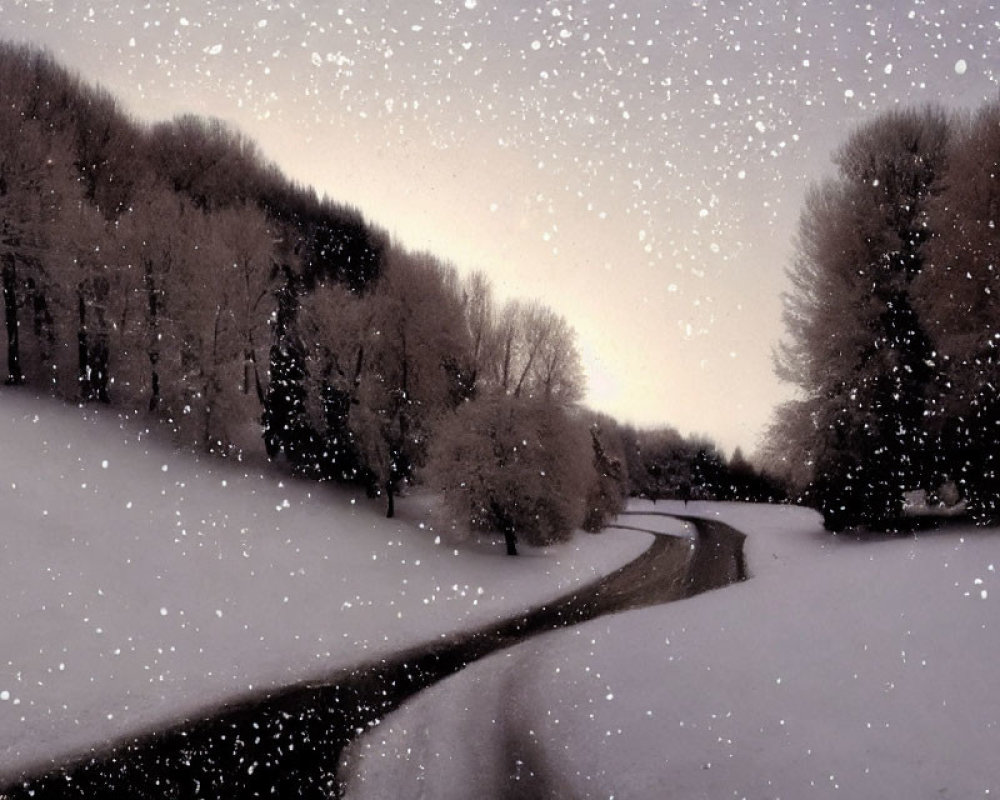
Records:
x=893, y=323
x=171, y=271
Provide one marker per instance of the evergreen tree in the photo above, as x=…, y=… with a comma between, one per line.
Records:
x=958, y=294
x=285, y=421
x=857, y=348
x=609, y=489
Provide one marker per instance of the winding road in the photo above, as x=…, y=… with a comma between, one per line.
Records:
x=288, y=743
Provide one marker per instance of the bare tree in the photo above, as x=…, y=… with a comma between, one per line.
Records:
x=535, y=325
x=250, y=242
x=83, y=272
x=199, y=361
x=147, y=231
x=532, y=352
x=559, y=372
x=35, y=179
x=480, y=314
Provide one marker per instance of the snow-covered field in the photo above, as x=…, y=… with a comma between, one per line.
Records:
x=138, y=584
x=842, y=668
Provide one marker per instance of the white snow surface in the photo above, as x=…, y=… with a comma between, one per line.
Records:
x=139, y=584
x=843, y=668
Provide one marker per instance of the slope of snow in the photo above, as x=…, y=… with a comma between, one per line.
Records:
x=138, y=584
x=842, y=668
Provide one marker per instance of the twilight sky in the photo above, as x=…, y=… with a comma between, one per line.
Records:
x=638, y=165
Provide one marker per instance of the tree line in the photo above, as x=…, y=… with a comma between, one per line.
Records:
x=893, y=322
x=169, y=270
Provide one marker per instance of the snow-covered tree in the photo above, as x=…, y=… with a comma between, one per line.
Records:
x=856, y=346
x=331, y=322
x=516, y=467
x=152, y=242
x=209, y=162
x=958, y=295
x=250, y=244
x=36, y=178
x=201, y=356
x=414, y=327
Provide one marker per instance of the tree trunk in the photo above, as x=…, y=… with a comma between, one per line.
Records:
x=359, y=363
x=250, y=370
x=206, y=433
x=83, y=369
x=14, y=375
x=154, y=389
x=211, y=381
x=99, y=358
x=41, y=321
x=390, y=507
x=510, y=538
x=507, y=352
x=154, y=335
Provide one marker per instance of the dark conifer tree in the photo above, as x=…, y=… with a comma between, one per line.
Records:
x=857, y=348
x=285, y=422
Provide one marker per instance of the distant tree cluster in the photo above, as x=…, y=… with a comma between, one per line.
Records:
x=664, y=465
x=169, y=270
x=893, y=321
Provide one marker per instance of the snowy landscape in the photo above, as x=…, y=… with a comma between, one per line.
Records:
x=141, y=585
x=463, y=400
x=844, y=667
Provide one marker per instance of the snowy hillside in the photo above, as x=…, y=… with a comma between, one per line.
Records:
x=842, y=668
x=138, y=584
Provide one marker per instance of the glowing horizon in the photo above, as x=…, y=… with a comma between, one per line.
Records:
x=639, y=168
